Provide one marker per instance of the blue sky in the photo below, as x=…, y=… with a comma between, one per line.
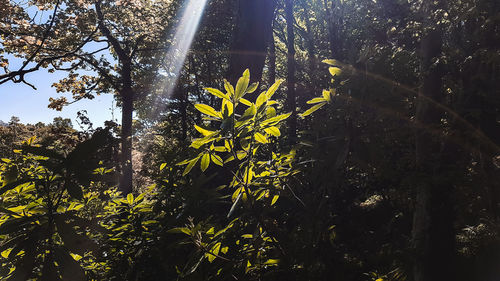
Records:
x=31, y=105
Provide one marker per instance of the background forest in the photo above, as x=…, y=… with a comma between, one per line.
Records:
x=258, y=140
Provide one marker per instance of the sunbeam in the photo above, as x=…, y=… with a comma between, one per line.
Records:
x=177, y=52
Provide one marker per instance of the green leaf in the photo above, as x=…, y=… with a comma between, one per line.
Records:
x=276, y=119
x=260, y=138
x=217, y=93
x=252, y=87
x=203, y=131
x=229, y=88
x=214, y=251
x=208, y=110
x=273, y=131
x=217, y=160
x=242, y=85
x=162, y=166
x=261, y=99
x=210, y=231
x=270, y=92
x=205, y=161
x=327, y=96
x=316, y=100
x=312, y=109
x=13, y=185
x=130, y=199
x=334, y=71
x=184, y=230
x=272, y=261
x=245, y=102
x=190, y=166
x=275, y=198
x=331, y=62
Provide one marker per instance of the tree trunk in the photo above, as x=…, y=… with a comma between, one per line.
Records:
x=433, y=233
x=252, y=33
x=272, y=60
x=291, y=99
x=127, y=96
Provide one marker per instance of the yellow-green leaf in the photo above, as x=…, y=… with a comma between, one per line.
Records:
x=312, y=109
x=275, y=198
x=272, y=261
x=274, y=131
x=260, y=138
x=217, y=160
x=270, y=92
x=217, y=93
x=229, y=88
x=261, y=99
x=130, y=198
x=326, y=95
x=316, y=100
x=252, y=87
x=205, y=161
x=208, y=110
x=331, y=62
x=6, y=253
x=190, y=166
x=242, y=85
x=224, y=250
x=245, y=102
x=334, y=71
x=162, y=166
x=203, y=131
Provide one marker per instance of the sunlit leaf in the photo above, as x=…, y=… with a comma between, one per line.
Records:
x=260, y=138
x=208, y=110
x=205, y=162
x=203, y=131
x=326, y=95
x=275, y=198
x=252, y=87
x=190, y=166
x=270, y=92
x=274, y=131
x=242, y=85
x=217, y=93
x=331, y=62
x=312, y=109
x=162, y=166
x=217, y=160
x=130, y=199
x=334, y=71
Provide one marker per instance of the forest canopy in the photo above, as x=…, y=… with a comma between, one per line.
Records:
x=258, y=140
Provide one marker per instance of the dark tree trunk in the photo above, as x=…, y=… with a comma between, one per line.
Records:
x=433, y=233
x=127, y=96
x=252, y=33
x=291, y=99
x=332, y=25
x=272, y=60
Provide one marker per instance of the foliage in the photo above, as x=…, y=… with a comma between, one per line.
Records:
x=44, y=234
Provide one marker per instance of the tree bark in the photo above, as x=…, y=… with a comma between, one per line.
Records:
x=272, y=60
x=432, y=233
x=127, y=96
x=252, y=33
x=291, y=99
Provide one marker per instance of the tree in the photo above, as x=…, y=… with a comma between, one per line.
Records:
x=105, y=46
x=252, y=34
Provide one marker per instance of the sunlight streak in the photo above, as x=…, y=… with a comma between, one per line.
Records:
x=177, y=51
